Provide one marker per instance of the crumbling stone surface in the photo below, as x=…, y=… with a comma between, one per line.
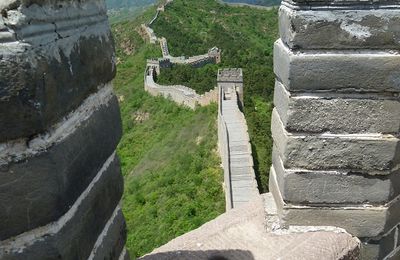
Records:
x=338, y=70
x=60, y=178
x=241, y=234
x=307, y=187
x=55, y=177
x=336, y=122
x=353, y=29
x=337, y=113
x=74, y=235
x=55, y=58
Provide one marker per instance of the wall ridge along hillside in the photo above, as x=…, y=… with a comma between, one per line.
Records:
x=233, y=138
x=178, y=93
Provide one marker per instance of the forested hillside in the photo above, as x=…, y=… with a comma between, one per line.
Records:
x=246, y=37
x=173, y=178
x=168, y=153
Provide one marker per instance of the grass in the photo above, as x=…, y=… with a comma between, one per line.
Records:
x=168, y=153
x=246, y=36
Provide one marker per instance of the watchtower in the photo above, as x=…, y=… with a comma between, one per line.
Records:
x=231, y=79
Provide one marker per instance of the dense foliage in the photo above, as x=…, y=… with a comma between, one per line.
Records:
x=246, y=36
x=168, y=153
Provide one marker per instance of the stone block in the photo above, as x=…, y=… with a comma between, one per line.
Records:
x=340, y=71
x=110, y=244
x=60, y=58
x=380, y=247
x=124, y=255
x=336, y=113
x=372, y=154
x=304, y=187
x=340, y=29
x=361, y=221
x=369, y=251
x=395, y=255
x=74, y=235
x=43, y=179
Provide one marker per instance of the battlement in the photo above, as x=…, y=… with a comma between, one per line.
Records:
x=230, y=75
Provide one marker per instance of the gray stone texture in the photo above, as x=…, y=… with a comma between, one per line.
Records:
x=364, y=221
x=111, y=242
x=60, y=56
x=380, y=247
x=373, y=155
x=336, y=113
x=240, y=234
x=340, y=29
x=55, y=178
x=303, y=187
x=75, y=234
x=340, y=71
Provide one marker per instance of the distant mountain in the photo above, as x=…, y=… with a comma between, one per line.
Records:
x=256, y=2
x=131, y=4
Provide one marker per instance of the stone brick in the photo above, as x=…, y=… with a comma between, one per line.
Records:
x=366, y=154
x=74, y=234
x=42, y=186
x=361, y=221
x=369, y=251
x=58, y=61
x=110, y=244
x=379, y=248
x=124, y=255
x=336, y=113
x=337, y=70
x=340, y=29
x=304, y=187
x=395, y=255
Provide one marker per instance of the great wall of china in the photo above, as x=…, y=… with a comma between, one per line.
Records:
x=334, y=181
x=333, y=167
x=178, y=93
x=240, y=184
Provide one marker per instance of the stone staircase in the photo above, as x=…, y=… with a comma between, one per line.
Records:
x=243, y=186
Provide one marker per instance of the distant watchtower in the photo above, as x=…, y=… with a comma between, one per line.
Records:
x=231, y=79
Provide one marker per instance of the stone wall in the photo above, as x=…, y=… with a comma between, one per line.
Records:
x=336, y=121
x=177, y=93
x=60, y=179
x=234, y=142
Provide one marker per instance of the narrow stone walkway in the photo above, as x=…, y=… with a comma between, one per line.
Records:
x=243, y=185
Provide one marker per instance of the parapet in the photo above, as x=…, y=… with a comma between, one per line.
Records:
x=230, y=75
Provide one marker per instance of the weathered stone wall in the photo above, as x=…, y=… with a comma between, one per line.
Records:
x=178, y=93
x=336, y=121
x=60, y=179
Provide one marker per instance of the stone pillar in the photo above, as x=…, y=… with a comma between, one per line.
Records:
x=336, y=120
x=60, y=179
